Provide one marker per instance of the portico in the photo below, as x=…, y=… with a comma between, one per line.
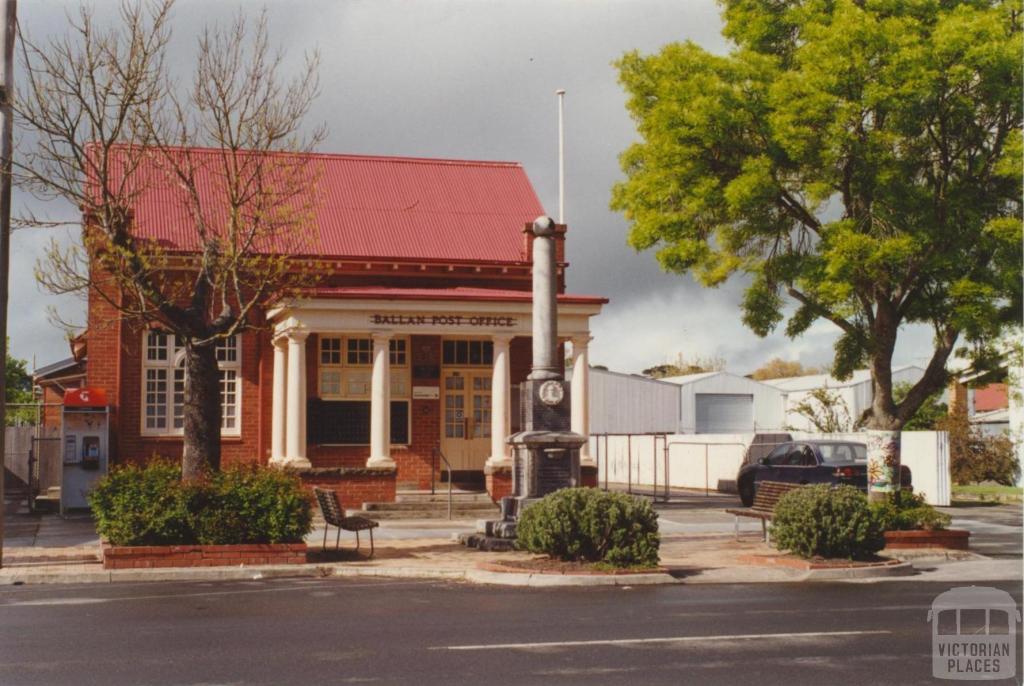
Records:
x=393, y=374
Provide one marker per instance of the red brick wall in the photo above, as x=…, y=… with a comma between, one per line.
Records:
x=53, y=404
x=588, y=477
x=234, y=449
x=115, y=364
x=416, y=464
x=499, y=484
x=161, y=556
x=103, y=366
x=414, y=461
x=370, y=486
x=990, y=397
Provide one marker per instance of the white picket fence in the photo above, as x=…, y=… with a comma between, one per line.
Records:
x=709, y=462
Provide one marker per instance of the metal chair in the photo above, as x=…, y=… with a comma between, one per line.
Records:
x=334, y=515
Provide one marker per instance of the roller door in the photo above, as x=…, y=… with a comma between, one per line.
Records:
x=722, y=413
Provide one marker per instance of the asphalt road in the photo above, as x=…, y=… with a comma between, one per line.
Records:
x=337, y=631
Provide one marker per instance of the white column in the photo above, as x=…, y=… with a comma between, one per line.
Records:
x=380, y=403
x=501, y=417
x=578, y=392
x=295, y=425
x=278, y=450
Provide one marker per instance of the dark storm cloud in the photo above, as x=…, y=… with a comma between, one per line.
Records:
x=476, y=80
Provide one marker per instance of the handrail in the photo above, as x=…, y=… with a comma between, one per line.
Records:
x=448, y=466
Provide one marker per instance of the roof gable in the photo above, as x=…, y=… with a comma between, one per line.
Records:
x=365, y=207
x=814, y=381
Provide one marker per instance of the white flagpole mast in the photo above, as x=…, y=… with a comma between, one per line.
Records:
x=561, y=155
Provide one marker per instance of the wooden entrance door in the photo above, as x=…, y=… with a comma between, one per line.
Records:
x=466, y=426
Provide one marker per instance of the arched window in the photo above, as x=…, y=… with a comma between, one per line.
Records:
x=164, y=379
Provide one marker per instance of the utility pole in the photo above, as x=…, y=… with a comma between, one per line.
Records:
x=9, y=16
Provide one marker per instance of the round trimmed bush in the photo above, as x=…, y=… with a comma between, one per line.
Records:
x=827, y=522
x=587, y=524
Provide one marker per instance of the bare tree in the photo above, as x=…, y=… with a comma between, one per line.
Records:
x=105, y=124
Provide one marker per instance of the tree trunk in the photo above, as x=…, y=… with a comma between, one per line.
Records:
x=202, y=411
x=884, y=471
x=883, y=423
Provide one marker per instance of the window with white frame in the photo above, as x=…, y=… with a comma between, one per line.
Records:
x=164, y=379
x=344, y=375
x=346, y=367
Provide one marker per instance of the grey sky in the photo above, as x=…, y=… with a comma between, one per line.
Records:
x=476, y=79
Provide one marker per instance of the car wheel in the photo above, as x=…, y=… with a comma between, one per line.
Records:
x=747, y=492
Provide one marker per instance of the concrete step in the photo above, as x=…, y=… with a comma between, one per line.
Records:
x=427, y=510
x=48, y=502
x=464, y=497
x=384, y=515
x=429, y=505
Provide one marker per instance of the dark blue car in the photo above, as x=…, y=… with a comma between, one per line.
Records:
x=810, y=462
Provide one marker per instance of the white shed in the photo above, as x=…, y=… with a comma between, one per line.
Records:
x=856, y=392
x=627, y=403
x=720, y=402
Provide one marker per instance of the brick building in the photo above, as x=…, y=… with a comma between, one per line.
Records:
x=412, y=347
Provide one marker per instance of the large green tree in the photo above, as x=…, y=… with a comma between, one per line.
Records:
x=18, y=390
x=857, y=160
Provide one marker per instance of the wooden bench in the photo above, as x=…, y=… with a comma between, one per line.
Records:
x=765, y=499
x=334, y=515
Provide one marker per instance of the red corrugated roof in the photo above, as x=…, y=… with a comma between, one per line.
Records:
x=446, y=294
x=365, y=207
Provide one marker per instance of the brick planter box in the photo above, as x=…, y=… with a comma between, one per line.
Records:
x=159, y=556
x=354, y=485
x=953, y=539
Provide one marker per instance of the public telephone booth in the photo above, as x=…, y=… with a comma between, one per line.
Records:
x=85, y=445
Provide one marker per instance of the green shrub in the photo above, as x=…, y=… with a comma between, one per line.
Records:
x=143, y=506
x=975, y=457
x=253, y=505
x=592, y=525
x=827, y=522
x=152, y=506
x=907, y=512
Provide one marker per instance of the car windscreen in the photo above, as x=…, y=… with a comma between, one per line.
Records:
x=832, y=453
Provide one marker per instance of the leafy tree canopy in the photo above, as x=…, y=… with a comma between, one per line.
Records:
x=18, y=390
x=929, y=415
x=861, y=157
x=778, y=368
x=682, y=366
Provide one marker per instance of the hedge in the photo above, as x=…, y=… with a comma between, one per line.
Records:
x=151, y=505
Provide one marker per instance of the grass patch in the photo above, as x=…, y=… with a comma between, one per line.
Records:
x=988, y=492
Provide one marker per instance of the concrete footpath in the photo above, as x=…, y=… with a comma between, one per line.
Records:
x=698, y=547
